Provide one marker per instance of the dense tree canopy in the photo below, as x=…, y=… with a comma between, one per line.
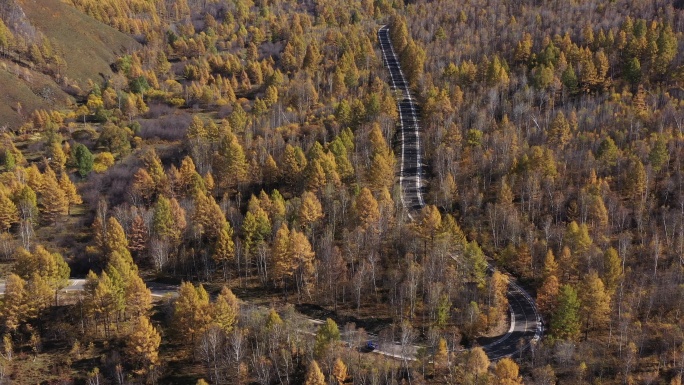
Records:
x=250, y=146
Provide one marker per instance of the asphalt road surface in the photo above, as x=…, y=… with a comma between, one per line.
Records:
x=78, y=284
x=411, y=172
x=525, y=328
x=404, y=352
x=526, y=325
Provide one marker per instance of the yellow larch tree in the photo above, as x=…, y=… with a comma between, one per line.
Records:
x=191, y=311
x=69, y=188
x=53, y=200
x=314, y=376
x=310, y=210
x=506, y=373
x=9, y=214
x=367, y=212
x=142, y=346
x=225, y=310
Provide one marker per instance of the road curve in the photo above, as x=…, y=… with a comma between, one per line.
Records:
x=159, y=290
x=526, y=324
x=525, y=328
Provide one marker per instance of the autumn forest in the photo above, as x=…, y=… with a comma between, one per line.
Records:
x=207, y=192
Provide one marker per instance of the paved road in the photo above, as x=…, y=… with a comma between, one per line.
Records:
x=78, y=284
x=74, y=285
x=525, y=328
x=525, y=320
x=395, y=350
x=526, y=325
x=159, y=290
x=411, y=173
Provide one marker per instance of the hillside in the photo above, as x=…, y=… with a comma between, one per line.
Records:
x=87, y=46
x=31, y=89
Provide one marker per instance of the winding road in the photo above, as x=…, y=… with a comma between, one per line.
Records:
x=78, y=284
x=526, y=323
x=525, y=326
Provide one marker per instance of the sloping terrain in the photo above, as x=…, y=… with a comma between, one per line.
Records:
x=87, y=45
x=31, y=89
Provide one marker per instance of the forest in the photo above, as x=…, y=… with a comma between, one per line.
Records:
x=213, y=197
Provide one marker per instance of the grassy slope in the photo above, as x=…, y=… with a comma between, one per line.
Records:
x=88, y=46
x=16, y=89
